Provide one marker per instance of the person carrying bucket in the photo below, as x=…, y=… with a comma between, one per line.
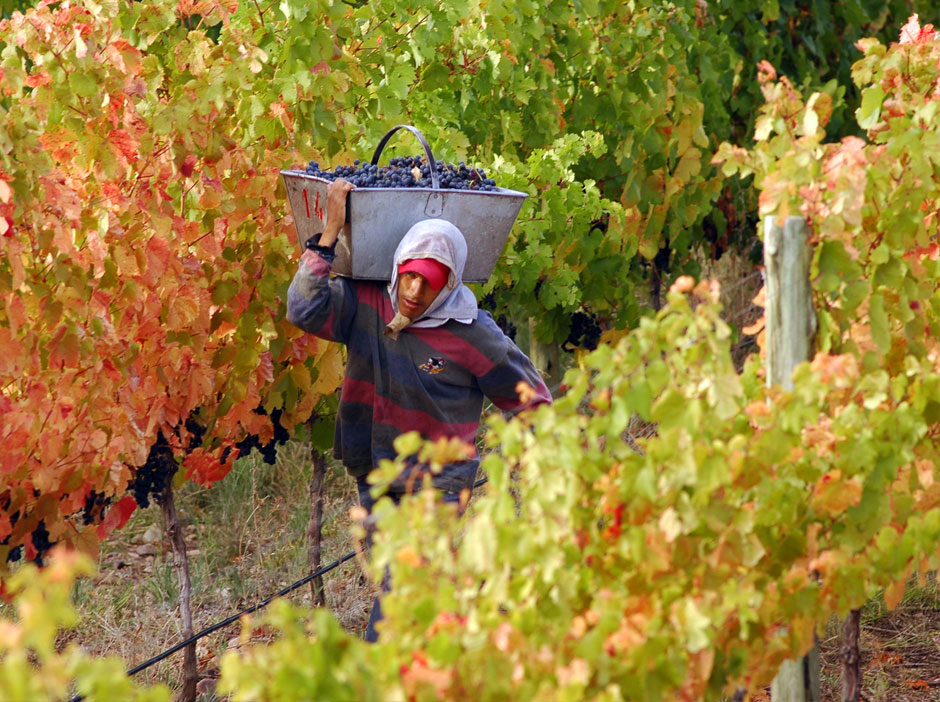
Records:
x=421, y=356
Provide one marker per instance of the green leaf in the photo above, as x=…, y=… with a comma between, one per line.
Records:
x=880, y=329
x=869, y=113
x=83, y=84
x=669, y=410
x=224, y=291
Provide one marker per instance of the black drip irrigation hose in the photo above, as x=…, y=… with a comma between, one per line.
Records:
x=235, y=617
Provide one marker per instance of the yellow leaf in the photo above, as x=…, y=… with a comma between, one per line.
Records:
x=810, y=122
x=683, y=133
x=612, y=336
x=329, y=369
x=689, y=165
x=182, y=312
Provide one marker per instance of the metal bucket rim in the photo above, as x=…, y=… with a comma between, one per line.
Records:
x=505, y=192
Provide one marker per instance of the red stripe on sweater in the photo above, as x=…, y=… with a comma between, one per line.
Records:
x=373, y=295
x=404, y=420
x=385, y=411
x=456, y=348
x=358, y=391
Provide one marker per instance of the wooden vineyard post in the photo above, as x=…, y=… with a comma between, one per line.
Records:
x=791, y=328
x=315, y=526
x=174, y=530
x=851, y=660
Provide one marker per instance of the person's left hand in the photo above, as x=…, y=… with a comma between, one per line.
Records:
x=336, y=193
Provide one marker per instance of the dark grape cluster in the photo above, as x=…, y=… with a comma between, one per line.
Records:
x=585, y=332
x=40, y=536
x=152, y=478
x=505, y=324
x=41, y=542
x=96, y=503
x=407, y=172
x=268, y=451
x=17, y=552
x=196, y=430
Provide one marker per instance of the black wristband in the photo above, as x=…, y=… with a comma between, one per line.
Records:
x=327, y=253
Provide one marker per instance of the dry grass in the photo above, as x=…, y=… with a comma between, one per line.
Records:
x=740, y=282
x=247, y=540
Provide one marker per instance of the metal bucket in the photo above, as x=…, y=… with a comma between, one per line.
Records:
x=378, y=218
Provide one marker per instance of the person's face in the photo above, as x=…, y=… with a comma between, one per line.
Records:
x=414, y=294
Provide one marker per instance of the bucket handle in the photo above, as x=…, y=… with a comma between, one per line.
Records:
x=435, y=181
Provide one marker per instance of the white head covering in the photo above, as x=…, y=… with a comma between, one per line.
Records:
x=444, y=242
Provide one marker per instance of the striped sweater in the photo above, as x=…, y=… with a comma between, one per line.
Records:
x=430, y=380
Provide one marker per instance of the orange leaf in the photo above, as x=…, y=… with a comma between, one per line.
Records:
x=753, y=329
x=917, y=684
x=409, y=556
x=832, y=495
x=6, y=527
x=207, y=467
x=894, y=592
x=210, y=199
x=38, y=79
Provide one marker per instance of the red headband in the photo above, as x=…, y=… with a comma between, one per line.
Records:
x=433, y=271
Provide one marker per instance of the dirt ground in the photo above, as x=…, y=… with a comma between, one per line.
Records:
x=900, y=651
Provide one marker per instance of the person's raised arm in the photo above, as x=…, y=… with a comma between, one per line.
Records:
x=316, y=303
x=336, y=193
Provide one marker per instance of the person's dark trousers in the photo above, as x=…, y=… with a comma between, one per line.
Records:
x=368, y=502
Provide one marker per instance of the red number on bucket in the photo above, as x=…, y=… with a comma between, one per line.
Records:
x=316, y=208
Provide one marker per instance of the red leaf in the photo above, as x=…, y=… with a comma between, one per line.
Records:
x=186, y=168
x=207, y=467
x=117, y=516
x=123, y=144
x=31, y=551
